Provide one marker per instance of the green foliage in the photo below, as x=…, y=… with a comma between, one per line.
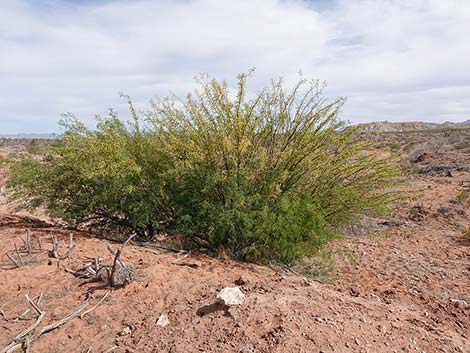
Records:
x=271, y=177
x=107, y=177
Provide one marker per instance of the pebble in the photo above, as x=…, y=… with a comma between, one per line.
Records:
x=125, y=331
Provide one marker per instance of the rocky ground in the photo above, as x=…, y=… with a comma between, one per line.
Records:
x=400, y=284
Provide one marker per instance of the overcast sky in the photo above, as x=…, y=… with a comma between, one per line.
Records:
x=394, y=60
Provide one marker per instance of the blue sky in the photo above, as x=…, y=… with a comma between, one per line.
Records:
x=394, y=60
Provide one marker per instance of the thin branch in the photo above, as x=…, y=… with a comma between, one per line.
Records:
x=75, y=273
x=114, y=252
x=19, y=256
x=71, y=315
x=15, y=342
x=56, y=245
x=117, y=259
x=28, y=239
x=26, y=312
x=13, y=260
x=96, y=305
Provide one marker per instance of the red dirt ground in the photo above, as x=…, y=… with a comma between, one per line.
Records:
x=402, y=287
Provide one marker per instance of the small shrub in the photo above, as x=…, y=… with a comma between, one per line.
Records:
x=267, y=178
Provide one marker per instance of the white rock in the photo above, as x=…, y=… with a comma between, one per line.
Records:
x=231, y=296
x=125, y=331
x=163, y=320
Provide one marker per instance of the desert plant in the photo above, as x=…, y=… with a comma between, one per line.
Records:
x=109, y=178
x=266, y=177
x=271, y=177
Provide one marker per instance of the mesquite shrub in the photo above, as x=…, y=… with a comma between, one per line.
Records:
x=262, y=178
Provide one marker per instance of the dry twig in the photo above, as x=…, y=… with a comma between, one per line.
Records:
x=56, y=245
x=56, y=324
x=112, y=275
x=19, y=256
x=95, y=306
x=26, y=312
x=24, y=341
x=27, y=250
x=16, y=263
x=17, y=342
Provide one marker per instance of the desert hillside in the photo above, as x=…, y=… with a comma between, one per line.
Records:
x=410, y=126
x=396, y=284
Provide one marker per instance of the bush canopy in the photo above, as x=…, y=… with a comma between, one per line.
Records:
x=266, y=177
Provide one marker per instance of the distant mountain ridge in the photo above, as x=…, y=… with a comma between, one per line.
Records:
x=29, y=136
x=387, y=126
x=379, y=126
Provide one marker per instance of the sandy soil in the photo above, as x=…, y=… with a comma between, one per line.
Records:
x=404, y=286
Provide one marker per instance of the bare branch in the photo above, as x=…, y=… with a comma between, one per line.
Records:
x=71, y=315
x=14, y=344
x=26, y=312
x=13, y=260
x=96, y=305
x=56, y=245
x=19, y=256
x=117, y=260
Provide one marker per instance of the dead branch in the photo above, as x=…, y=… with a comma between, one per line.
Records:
x=27, y=250
x=26, y=312
x=19, y=256
x=28, y=239
x=95, y=306
x=112, y=251
x=97, y=262
x=17, y=341
x=13, y=260
x=76, y=273
x=118, y=260
x=115, y=275
x=56, y=245
x=59, y=323
x=24, y=341
x=28, y=244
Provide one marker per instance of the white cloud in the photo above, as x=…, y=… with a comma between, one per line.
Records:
x=395, y=60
